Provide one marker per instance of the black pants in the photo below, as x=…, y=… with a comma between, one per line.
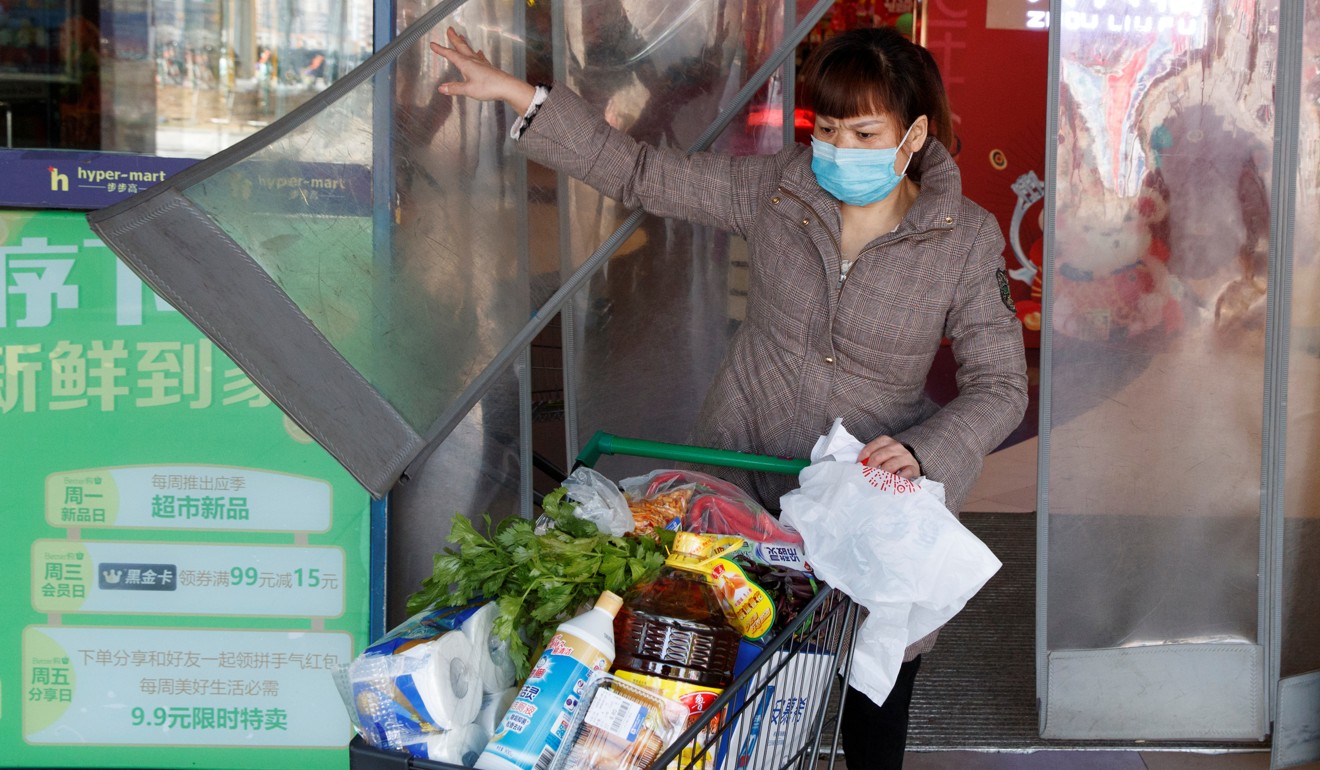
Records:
x=874, y=737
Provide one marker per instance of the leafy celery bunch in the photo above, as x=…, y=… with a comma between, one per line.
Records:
x=537, y=580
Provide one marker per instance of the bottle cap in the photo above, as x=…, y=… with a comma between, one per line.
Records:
x=610, y=602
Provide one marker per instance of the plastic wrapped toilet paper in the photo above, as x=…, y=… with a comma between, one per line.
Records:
x=392, y=688
x=493, y=707
x=460, y=746
x=443, y=684
x=490, y=653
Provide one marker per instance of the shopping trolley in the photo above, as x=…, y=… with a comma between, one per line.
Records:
x=782, y=709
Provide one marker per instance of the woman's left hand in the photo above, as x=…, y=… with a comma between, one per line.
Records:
x=888, y=454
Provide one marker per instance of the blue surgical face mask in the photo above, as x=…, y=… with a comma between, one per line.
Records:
x=857, y=176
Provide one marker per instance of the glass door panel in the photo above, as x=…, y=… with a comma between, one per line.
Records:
x=1156, y=372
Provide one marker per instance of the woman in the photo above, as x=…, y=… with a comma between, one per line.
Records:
x=864, y=257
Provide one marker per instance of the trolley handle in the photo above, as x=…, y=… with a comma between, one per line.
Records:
x=603, y=443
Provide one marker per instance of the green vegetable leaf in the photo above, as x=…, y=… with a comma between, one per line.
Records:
x=538, y=581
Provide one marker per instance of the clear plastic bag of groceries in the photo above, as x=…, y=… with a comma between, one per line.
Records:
x=699, y=502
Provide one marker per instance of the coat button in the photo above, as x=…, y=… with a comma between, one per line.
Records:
x=948, y=220
x=806, y=222
x=829, y=359
x=775, y=200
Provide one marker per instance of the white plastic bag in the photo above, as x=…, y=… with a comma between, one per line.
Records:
x=891, y=545
x=599, y=501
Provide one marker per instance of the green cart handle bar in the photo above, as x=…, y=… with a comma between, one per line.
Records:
x=608, y=444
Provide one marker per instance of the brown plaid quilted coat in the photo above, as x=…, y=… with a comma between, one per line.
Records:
x=809, y=350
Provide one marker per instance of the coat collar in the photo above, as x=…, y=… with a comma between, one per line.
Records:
x=937, y=205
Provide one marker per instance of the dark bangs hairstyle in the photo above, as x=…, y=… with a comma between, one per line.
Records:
x=878, y=70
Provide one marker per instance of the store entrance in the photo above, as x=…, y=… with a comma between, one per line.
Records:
x=1178, y=547
x=977, y=689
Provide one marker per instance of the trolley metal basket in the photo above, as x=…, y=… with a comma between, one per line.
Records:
x=781, y=711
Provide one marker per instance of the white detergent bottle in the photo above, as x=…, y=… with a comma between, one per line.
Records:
x=533, y=728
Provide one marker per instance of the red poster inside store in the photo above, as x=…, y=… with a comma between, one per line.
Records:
x=996, y=79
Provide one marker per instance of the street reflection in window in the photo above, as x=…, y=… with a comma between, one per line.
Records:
x=168, y=77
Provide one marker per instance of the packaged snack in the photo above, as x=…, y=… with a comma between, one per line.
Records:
x=619, y=726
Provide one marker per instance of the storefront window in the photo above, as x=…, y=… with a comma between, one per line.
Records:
x=174, y=78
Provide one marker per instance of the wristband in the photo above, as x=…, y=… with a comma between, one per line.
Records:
x=542, y=93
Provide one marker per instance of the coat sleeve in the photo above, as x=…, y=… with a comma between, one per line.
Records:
x=724, y=191
x=992, y=374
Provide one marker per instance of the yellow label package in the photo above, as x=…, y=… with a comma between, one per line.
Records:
x=748, y=606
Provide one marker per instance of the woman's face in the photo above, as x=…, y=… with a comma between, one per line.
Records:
x=877, y=131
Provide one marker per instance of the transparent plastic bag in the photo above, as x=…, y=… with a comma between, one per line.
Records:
x=588, y=496
x=699, y=502
x=599, y=501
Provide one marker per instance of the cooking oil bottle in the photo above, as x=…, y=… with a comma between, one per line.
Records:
x=673, y=637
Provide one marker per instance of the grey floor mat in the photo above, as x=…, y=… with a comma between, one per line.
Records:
x=977, y=688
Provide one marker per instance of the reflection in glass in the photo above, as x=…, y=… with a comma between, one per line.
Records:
x=474, y=472
x=169, y=77
x=402, y=225
x=420, y=290
x=1158, y=320
x=653, y=324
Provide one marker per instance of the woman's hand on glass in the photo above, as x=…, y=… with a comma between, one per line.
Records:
x=481, y=80
x=888, y=454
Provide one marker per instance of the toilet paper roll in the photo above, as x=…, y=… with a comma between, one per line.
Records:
x=491, y=653
x=460, y=746
x=443, y=683
x=493, y=707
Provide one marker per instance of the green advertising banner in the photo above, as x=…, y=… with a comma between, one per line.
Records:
x=187, y=569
